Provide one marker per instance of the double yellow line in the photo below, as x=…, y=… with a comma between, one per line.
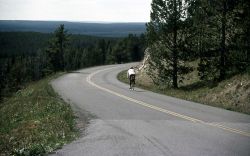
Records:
x=161, y=109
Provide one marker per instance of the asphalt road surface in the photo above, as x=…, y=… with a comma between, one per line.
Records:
x=142, y=123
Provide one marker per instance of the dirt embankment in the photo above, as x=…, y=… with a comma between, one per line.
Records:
x=232, y=94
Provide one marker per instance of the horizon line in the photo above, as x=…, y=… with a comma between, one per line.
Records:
x=73, y=21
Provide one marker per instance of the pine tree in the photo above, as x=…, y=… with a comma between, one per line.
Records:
x=224, y=8
x=57, y=48
x=239, y=54
x=102, y=47
x=216, y=25
x=205, y=38
x=166, y=33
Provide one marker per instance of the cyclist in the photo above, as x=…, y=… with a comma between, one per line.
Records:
x=131, y=77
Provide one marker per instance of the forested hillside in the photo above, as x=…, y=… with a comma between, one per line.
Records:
x=213, y=32
x=29, y=56
x=86, y=28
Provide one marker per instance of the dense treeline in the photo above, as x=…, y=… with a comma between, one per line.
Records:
x=214, y=32
x=26, y=57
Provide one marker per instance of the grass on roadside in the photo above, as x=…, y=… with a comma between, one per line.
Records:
x=35, y=121
x=232, y=94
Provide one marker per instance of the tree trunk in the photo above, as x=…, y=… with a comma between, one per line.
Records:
x=223, y=44
x=175, y=53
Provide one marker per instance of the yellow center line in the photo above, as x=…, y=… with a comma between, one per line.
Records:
x=161, y=109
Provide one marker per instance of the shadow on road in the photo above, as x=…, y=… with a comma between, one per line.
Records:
x=139, y=90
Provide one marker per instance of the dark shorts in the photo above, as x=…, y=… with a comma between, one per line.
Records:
x=132, y=77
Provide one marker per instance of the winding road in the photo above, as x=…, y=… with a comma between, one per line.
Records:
x=143, y=123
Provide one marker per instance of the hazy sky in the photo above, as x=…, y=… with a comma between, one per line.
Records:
x=76, y=10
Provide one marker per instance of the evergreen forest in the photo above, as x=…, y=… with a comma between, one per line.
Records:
x=213, y=32
x=30, y=56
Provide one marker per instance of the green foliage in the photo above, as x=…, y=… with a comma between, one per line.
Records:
x=127, y=50
x=14, y=44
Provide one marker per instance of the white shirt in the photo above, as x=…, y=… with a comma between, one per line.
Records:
x=130, y=72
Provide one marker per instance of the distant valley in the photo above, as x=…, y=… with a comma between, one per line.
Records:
x=86, y=28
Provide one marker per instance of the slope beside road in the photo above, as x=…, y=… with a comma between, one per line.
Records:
x=144, y=123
